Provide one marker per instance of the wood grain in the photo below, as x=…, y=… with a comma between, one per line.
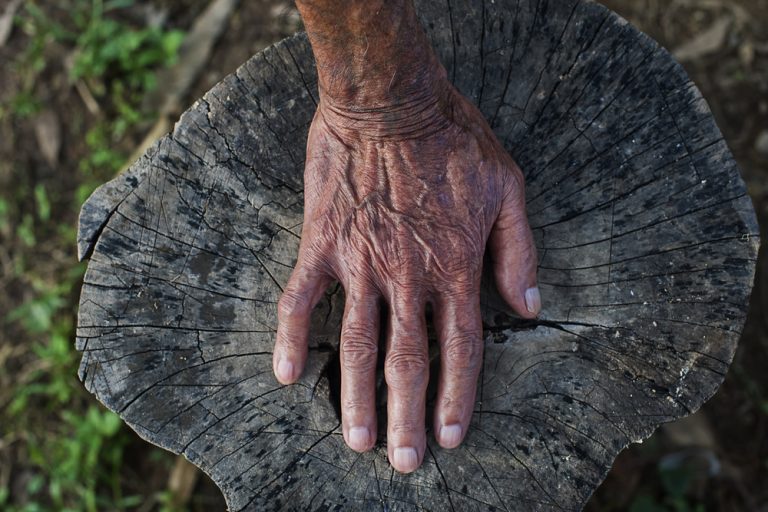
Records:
x=647, y=243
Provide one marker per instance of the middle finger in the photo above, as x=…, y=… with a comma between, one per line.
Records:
x=406, y=370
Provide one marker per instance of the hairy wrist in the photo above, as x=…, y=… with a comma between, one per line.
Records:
x=372, y=55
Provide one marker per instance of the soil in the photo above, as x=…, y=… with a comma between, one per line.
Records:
x=719, y=458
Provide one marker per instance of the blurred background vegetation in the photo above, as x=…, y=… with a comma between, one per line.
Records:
x=78, y=96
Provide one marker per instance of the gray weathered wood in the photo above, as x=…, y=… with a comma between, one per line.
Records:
x=647, y=243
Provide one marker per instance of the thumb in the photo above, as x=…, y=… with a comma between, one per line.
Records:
x=513, y=251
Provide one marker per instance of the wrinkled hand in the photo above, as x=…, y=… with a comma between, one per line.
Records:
x=399, y=205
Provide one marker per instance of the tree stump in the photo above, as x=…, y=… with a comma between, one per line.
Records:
x=647, y=244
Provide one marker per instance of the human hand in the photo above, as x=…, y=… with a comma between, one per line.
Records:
x=399, y=204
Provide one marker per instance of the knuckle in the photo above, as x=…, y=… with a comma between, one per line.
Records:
x=292, y=305
x=360, y=349
x=404, y=370
x=471, y=252
x=527, y=248
x=406, y=282
x=515, y=180
x=356, y=407
x=452, y=403
x=403, y=426
x=462, y=353
x=460, y=261
x=290, y=342
x=463, y=259
x=465, y=287
x=322, y=240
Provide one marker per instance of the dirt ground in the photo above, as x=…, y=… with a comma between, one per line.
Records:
x=716, y=460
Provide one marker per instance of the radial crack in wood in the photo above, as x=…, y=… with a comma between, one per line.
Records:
x=647, y=244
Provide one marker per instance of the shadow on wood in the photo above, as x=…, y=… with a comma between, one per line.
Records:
x=647, y=243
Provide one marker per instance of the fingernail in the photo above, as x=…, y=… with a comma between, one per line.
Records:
x=533, y=300
x=450, y=435
x=285, y=370
x=405, y=459
x=359, y=437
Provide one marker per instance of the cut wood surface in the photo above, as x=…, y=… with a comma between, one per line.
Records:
x=647, y=245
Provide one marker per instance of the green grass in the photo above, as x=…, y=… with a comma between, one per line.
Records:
x=71, y=448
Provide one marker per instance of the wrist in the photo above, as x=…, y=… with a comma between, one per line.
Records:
x=407, y=114
x=373, y=58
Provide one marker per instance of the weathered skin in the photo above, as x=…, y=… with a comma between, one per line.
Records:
x=405, y=184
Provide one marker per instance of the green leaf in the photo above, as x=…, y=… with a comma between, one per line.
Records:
x=43, y=204
x=111, y=423
x=4, y=208
x=25, y=231
x=37, y=314
x=131, y=501
x=35, y=484
x=25, y=104
x=171, y=42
